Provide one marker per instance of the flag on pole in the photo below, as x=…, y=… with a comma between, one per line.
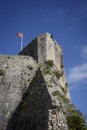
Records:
x=20, y=35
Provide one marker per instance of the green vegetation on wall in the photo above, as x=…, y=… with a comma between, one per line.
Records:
x=47, y=70
x=76, y=121
x=50, y=63
x=58, y=73
x=57, y=93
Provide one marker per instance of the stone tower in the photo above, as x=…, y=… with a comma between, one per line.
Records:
x=44, y=48
x=33, y=88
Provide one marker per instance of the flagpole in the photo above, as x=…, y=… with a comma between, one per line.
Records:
x=20, y=35
x=22, y=42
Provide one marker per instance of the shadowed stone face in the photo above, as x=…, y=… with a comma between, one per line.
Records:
x=32, y=112
x=35, y=111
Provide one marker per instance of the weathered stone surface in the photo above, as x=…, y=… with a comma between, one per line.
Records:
x=33, y=91
x=17, y=73
x=32, y=112
x=44, y=48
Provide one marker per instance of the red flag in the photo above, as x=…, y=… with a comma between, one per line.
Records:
x=20, y=34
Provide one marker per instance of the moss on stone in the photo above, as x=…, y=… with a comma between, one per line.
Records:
x=47, y=70
x=52, y=81
x=50, y=86
x=50, y=63
x=63, y=89
x=57, y=93
x=57, y=73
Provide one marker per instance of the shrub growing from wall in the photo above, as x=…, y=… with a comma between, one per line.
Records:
x=76, y=121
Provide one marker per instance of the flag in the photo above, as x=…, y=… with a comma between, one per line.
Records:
x=20, y=34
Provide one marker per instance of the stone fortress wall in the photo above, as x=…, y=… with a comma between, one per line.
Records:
x=45, y=48
x=48, y=49
x=33, y=88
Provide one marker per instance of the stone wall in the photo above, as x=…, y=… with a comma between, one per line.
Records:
x=53, y=51
x=33, y=89
x=50, y=48
x=16, y=73
x=45, y=48
x=36, y=110
x=42, y=48
x=31, y=50
x=57, y=120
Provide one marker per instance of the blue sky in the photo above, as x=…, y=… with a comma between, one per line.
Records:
x=66, y=20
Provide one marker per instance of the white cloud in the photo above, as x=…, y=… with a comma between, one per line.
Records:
x=78, y=73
